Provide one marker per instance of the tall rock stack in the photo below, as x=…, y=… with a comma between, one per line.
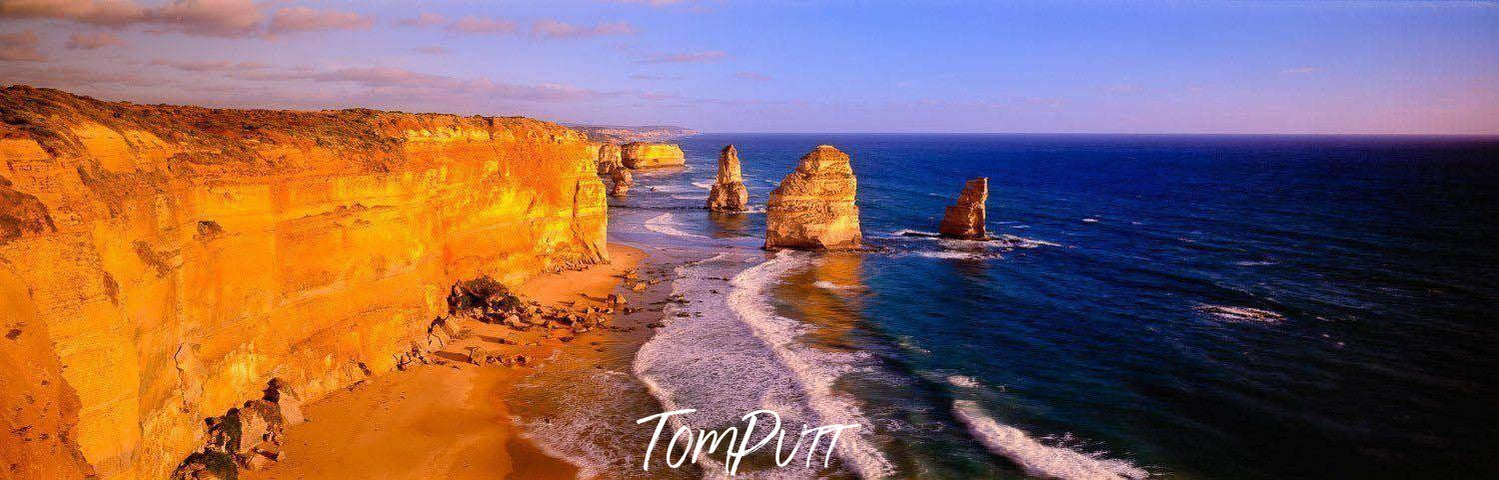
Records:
x=650, y=155
x=623, y=180
x=966, y=219
x=728, y=194
x=813, y=208
x=609, y=159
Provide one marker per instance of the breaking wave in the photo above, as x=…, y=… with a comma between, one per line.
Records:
x=1036, y=458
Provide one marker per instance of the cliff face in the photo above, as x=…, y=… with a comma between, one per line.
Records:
x=609, y=159
x=649, y=155
x=813, y=207
x=160, y=264
x=965, y=220
x=728, y=193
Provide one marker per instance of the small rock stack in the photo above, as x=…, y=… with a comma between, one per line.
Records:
x=609, y=159
x=813, y=208
x=966, y=219
x=623, y=180
x=728, y=194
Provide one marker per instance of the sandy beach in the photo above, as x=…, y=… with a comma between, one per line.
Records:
x=450, y=419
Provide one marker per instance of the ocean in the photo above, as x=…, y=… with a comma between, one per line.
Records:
x=1225, y=307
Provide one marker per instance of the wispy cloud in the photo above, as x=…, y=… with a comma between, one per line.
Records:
x=218, y=18
x=20, y=47
x=431, y=50
x=549, y=28
x=93, y=41
x=754, y=76
x=643, y=76
x=651, y=3
x=482, y=25
x=424, y=19
x=207, y=66
x=1123, y=88
x=1300, y=70
x=303, y=19
x=688, y=57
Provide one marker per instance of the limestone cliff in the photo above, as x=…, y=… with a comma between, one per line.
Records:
x=622, y=180
x=728, y=193
x=650, y=155
x=966, y=219
x=609, y=159
x=813, y=207
x=160, y=264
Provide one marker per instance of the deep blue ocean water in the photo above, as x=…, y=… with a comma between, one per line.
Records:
x=1369, y=262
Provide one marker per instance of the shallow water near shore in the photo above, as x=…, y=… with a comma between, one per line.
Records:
x=1177, y=307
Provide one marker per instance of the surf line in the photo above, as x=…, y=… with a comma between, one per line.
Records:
x=736, y=447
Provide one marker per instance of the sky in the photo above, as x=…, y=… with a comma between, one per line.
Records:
x=1205, y=66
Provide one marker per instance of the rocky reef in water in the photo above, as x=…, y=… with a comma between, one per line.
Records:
x=813, y=207
x=728, y=193
x=160, y=265
x=651, y=155
x=965, y=220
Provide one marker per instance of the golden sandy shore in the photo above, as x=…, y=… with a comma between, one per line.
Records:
x=447, y=421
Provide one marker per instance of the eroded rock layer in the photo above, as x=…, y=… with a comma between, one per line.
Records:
x=728, y=193
x=966, y=219
x=609, y=159
x=813, y=207
x=651, y=155
x=161, y=264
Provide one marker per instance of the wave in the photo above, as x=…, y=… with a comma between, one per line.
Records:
x=963, y=381
x=740, y=356
x=665, y=224
x=1241, y=314
x=826, y=285
x=814, y=371
x=703, y=185
x=1036, y=458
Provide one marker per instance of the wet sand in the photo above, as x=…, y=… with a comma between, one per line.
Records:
x=451, y=420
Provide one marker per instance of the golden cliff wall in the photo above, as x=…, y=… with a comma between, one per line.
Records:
x=172, y=260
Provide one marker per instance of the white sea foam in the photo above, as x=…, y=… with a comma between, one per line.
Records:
x=826, y=285
x=1036, y=458
x=1241, y=314
x=1090, y=220
x=703, y=185
x=1254, y=263
x=963, y=381
x=740, y=356
x=666, y=224
x=688, y=197
x=814, y=370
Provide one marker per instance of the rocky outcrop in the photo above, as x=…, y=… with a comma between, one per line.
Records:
x=966, y=219
x=651, y=155
x=163, y=263
x=623, y=180
x=813, y=208
x=609, y=159
x=728, y=193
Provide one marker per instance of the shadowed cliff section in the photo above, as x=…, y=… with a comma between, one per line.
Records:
x=177, y=258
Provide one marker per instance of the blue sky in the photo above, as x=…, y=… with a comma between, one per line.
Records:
x=794, y=66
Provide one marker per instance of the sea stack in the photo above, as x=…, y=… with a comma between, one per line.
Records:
x=609, y=159
x=728, y=194
x=813, y=208
x=650, y=155
x=966, y=219
x=623, y=180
